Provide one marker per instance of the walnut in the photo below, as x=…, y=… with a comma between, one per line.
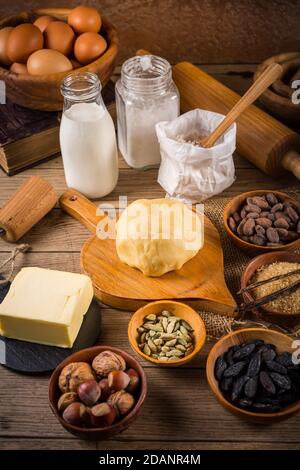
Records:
x=106, y=362
x=73, y=375
x=122, y=402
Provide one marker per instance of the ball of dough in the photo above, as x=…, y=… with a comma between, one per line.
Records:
x=158, y=235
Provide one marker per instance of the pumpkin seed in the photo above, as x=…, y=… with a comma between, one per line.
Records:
x=171, y=343
x=152, y=346
x=165, y=313
x=151, y=317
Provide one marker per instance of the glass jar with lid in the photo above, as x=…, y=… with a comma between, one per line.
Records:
x=87, y=137
x=145, y=95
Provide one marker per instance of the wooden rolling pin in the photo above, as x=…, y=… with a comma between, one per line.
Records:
x=31, y=202
x=264, y=141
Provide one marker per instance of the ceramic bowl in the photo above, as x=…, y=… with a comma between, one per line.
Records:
x=178, y=309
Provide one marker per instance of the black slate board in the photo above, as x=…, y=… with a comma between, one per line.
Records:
x=32, y=358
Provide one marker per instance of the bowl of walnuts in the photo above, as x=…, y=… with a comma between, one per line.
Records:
x=97, y=392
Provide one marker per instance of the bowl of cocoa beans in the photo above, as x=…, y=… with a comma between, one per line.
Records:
x=97, y=392
x=255, y=374
x=262, y=220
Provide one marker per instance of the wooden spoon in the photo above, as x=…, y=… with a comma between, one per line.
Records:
x=272, y=73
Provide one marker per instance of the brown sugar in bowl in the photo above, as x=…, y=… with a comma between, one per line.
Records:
x=250, y=248
x=87, y=355
x=281, y=318
x=43, y=91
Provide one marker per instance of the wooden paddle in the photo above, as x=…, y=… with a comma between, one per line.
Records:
x=200, y=282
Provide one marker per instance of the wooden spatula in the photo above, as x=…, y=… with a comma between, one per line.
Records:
x=272, y=73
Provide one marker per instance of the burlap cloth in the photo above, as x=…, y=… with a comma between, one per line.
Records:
x=235, y=261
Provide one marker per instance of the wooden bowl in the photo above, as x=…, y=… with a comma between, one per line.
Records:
x=43, y=91
x=178, y=309
x=282, y=343
x=87, y=355
x=280, y=106
x=250, y=248
x=280, y=318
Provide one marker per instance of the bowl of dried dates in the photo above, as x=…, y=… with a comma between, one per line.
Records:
x=261, y=221
x=255, y=374
x=97, y=392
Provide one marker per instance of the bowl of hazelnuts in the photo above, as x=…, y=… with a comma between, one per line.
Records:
x=97, y=392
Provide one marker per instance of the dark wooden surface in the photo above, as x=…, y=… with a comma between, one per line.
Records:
x=201, y=31
x=180, y=411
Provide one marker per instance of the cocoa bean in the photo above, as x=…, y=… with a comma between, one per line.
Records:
x=298, y=227
x=240, y=227
x=258, y=201
x=283, y=233
x=272, y=199
x=232, y=224
x=271, y=217
x=280, y=214
x=277, y=207
x=281, y=223
x=252, y=215
x=259, y=240
x=292, y=214
x=260, y=230
x=248, y=228
x=264, y=222
x=243, y=213
x=264, y=213
x=237, y=217
x=252, y=208
x=272, y=235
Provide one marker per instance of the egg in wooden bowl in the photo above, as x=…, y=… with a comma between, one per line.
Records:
x=50, y=32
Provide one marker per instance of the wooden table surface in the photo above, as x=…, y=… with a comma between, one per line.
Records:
x=180, y=412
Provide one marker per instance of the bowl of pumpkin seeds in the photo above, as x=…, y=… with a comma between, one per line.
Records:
x=166, y=332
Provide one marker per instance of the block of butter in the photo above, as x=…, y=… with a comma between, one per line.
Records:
x=45, y=306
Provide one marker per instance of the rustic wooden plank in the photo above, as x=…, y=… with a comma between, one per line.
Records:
x=210, y=32
x=134, y=184
x=111, y=445
x=179, y=406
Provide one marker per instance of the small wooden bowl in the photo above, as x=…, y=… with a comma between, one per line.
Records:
x=250, y=248
x=282, y=343
x=280, y=318
x=43, y=92
x=87, y=355
x=178, y=309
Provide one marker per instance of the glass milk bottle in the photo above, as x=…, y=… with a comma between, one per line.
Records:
x=145, y=95
x=87, y=137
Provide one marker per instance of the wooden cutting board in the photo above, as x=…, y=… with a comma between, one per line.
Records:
x=200, y=282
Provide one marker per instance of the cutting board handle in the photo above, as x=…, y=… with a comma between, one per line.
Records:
x=81, y=208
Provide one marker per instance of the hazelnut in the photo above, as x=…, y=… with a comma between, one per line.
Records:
x=105, y=390
x=107, y=361
x=134, y=381
x=65, y=400
x=122, y=402
x=102, y=415
x=89, y=392
x=118, y=380
x=73, y=375
x=75, y=414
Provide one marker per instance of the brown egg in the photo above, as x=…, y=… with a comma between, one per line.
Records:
x=60, y=37
x=88, y=47
x=18, y=68
x=4, y=33
x=85, y=19
x=23, y=41
x=48, y=61
x=43, y=21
